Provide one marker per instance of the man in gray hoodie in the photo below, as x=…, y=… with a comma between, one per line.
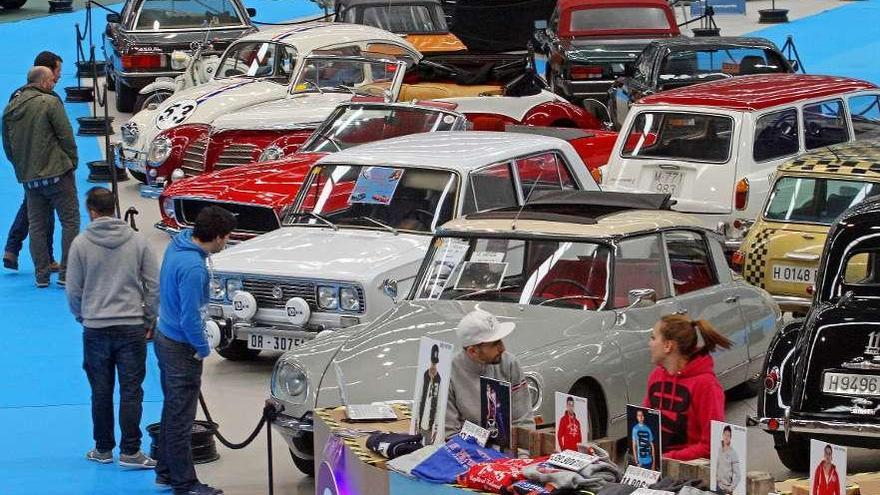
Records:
x=112, y=289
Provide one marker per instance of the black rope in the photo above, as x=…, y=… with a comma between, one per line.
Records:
x=108, y=9
x=231, y=445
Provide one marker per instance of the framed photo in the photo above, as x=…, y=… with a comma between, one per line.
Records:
x=572, y=421
x=727, y=472
x=431, y=390
x=643, y=427
x=495, y=411
x=827, y=468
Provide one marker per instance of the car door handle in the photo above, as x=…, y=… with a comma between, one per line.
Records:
x=802, y=256
x=732, y=299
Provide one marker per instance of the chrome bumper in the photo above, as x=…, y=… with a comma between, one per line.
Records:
x=240, y=328
x=297, y=432
x=816, y=427
x=597, y=89
x=172, y=231
x=793, y=303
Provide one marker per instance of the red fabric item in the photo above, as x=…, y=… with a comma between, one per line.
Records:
x=568, y=432
x=688, y=402
x=826, y=485
x=492, y=476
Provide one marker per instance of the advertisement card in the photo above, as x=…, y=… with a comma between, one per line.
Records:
x=728, y=459
x=431, y=390
x=495, y=411
x=827, y=468
x=572, y=422
x=376, y=185
x=639, y=477
x=643, y=425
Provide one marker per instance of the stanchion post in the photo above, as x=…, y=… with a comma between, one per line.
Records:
x=109, y=153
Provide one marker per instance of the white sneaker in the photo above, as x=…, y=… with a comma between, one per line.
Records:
x=138, y=460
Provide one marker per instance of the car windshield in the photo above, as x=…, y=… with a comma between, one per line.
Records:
x=563, y=274
x=345, y=75
x=683, y=136
x=186, y=14
x=698, y=65
x=402, y=18
x=383, y=198
x=618, y=18
x=799, y=199
x=258, y=59
x=352, y=125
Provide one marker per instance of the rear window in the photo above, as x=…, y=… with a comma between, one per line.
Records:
x=619, y=18
x=402, y=19
x=700, y=65
x=171, y=14
x=798, y=199
x=683, y=136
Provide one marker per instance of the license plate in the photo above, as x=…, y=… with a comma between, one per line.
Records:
x=666, y=182
x=791, y=273
x=272, y=342
x=851, y=384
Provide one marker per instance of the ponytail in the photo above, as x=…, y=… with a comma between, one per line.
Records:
x=694, y=337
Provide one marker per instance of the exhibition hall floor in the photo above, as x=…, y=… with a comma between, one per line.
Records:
x=44, y=403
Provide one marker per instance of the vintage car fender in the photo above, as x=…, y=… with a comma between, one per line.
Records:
x=295, y=111
x=779, y=371
x=161, y=83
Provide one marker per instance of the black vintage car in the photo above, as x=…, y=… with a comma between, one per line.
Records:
x=822, y=373
x=138, y=41
x=682, y=61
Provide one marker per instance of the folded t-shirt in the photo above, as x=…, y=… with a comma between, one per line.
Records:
x=453, y=459
x=406, y=463
x=492, y=476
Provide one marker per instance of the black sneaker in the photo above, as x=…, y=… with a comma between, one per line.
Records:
x=201, y=489
x=10, y=261
x=61, y=282
x=163, y=482
x=42, y=284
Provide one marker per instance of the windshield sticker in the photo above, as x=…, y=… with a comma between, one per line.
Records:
x=376, y=185
x=448, y=119
x=481, y=276
x=487, y=257
x=175, y=114
x=450, y=252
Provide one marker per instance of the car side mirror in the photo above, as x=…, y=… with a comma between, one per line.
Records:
x=114, y=18
x=251, y=12
x=389, y=288
x=795, y=66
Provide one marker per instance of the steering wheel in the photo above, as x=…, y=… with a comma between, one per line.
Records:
x=584, y=288
x=813, y=128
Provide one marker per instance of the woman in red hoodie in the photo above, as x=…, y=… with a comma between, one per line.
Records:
x=684, y=386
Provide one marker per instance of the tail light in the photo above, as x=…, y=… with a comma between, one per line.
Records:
x=737, y=260
x=771, y=381
x=597, y=175
x=142, y=61
x=586, y=72
x=741, y=198
x=811, y=289
x=773, y=424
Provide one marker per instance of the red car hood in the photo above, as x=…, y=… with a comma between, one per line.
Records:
x=273, y=184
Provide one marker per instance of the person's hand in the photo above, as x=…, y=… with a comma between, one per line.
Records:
x=148, y=332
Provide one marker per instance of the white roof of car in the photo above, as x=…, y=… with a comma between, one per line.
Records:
x=316, y=35
x=459, y=150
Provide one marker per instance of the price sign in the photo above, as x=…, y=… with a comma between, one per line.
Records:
x=572, y=460
x=477, y=432
x=640, y=477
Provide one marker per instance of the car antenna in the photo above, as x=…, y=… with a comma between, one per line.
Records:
x=526, y=200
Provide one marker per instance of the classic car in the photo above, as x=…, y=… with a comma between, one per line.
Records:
x=138, y=41
x=584, y=275
x=363, y=218
x=782, y=249
x=255, y=69
x=822, y=373
x=682, y=61
x=715, y=146
x=422, y=22
x=590, y=43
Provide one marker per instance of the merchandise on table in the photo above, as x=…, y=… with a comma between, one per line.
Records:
x=453, y=459
x=393, y=445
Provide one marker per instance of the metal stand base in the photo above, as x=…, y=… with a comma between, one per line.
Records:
x=99, y=171
x=60, y=6
x=204, y=449
x=95, y=126
x=87, y=68
x=704, y=32
x=79, y=94
x=773, y=16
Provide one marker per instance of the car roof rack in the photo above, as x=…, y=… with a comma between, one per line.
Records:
x=577, y=206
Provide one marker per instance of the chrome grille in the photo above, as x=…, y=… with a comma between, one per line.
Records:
x=263, y=289
x=235, y=155
x=193, y=162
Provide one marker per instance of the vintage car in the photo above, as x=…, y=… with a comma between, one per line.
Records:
x=590, y=43
x=782, y=250
x=715, y=146
x=361, y=225
x=138, y=41
x=822, y=373
x=683, y=61
x=256, y=69
x=422, y=22
x=584, y=275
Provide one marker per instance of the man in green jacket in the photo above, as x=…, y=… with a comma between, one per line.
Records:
x=38, y=140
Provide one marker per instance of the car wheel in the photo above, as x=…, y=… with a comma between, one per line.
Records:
x=140, y=176
x=238, y=351
x=13, y=4
x=125, y=97
x=151, y=98
x=794, y=453
x=595, y=406
x=306, y=466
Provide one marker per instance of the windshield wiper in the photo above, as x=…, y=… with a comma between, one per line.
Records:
x=314, y=215
x=380, y=224
x=345, y=87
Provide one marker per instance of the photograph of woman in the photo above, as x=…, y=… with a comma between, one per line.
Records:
x=727, y=465
x=825, y=479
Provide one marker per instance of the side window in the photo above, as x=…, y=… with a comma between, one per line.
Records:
x=349, y=15
x=490, y=187
x=689, y=261
x=544, y=172
x=865, y=113
x=776, y=135
x=639, y=264
x=824, y=124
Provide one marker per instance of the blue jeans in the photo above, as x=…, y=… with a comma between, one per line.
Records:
x=19, y=231
x=181, y=377
x=106, y=352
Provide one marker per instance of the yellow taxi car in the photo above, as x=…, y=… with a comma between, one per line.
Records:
x=782, y=250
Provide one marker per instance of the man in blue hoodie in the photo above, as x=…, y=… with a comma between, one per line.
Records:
x=181, y=344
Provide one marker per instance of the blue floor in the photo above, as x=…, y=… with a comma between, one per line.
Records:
x=45, y=424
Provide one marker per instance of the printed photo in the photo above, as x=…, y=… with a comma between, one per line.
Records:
x=495, y=411
x=431, y=390
x=572, y=421
x=827, y=468
x=728, y=459
x=643, y=425
x=481, y=275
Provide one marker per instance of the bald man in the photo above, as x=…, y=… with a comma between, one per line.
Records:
x=38, y=140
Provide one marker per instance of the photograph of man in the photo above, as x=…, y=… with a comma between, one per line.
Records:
x=727, y=466
x=642, y=439
x=568, y=429
x=826, y=481
x=430, y=395
x=496, y=411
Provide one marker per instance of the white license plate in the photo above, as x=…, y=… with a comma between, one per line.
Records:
x=272, y=342
x=791, y=273
x=666, y=182
x=851, y=384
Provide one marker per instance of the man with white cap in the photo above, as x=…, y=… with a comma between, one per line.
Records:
x=483, y=354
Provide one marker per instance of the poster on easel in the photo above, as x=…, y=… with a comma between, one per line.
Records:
x=827, y=468
x=643, y=427
x=727, y=471
x=431, y=390
x=495, y=411
x=572, y=422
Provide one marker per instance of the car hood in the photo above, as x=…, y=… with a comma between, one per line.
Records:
x=604, y=50
x=295, y=111
x=274, y=184
x=218, y=97
x=347, y=254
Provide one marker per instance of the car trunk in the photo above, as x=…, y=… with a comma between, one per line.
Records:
x=613, y=56
x=696, y=187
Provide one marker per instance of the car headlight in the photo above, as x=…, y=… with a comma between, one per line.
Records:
x=130, y=133
x=216, y=289
x=159, y=151
x=328, y=297
x=168, y=208
x=233, y=285
x=535, y=394
x=348, y=299
x=290, y=382
x=271, y=153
